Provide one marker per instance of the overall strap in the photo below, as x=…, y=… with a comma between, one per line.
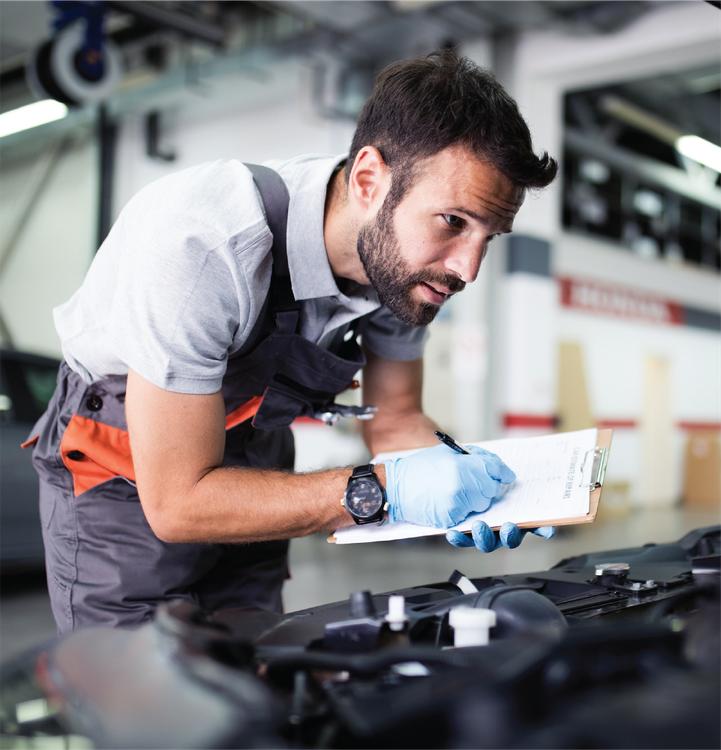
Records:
x=275, y=197
x=274, y=194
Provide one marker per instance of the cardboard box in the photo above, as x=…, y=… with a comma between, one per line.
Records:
x=702, y=470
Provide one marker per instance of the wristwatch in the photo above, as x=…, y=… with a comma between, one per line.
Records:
x=365, y=496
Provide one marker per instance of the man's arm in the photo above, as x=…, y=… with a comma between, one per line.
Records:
x=395, y=387
x=177, y=442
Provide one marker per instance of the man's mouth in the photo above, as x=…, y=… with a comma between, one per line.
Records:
x=434, y=295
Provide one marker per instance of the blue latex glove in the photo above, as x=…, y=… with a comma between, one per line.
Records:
x=486, y=540
x=439, y=487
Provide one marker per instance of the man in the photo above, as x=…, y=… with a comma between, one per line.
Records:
x=190, y=328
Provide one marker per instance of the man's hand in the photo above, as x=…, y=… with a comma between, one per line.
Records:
x=439, y=487
x=486, y=540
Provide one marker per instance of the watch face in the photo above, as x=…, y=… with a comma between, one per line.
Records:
x=364, y=498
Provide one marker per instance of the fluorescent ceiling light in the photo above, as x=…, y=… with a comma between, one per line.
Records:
x=30, y=116
x=700, y=150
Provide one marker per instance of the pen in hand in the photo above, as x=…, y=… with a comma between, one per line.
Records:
x=450, y=442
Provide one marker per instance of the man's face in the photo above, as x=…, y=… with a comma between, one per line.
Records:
x=431, y=244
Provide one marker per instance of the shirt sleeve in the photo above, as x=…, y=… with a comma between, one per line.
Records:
x=182, y=299
x=387, y=337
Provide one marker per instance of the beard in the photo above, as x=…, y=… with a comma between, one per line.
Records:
x=391, y=276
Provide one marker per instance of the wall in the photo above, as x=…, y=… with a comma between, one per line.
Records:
x=55, y=244
x=239, y=117
x=616, y=350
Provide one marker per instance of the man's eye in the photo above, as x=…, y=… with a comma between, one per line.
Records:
x=453, y=221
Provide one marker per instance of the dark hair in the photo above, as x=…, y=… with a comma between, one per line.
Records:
x=421, y=106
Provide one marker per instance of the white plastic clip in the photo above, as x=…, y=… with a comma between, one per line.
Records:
x=471, y=626
x=396, y=617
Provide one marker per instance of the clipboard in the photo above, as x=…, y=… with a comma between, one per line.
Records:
x=591, y=473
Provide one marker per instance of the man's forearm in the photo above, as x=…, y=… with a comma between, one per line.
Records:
x=413, y=430
x=238, y=505
x=395, y=387
x=178, y=442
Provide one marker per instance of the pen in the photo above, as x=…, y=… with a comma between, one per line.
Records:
x=450, y=442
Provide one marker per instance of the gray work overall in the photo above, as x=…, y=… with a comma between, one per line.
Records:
x=104, y=563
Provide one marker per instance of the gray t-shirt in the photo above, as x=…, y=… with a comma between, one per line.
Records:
x=182, y=277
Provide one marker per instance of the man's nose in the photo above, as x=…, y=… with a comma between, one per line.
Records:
x=465, y=260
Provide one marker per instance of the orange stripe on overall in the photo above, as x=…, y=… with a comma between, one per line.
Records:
x=101, y=452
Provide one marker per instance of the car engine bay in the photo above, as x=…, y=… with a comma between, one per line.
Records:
x=613, y=649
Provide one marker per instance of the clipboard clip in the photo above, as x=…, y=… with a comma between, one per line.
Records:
x=598, y=468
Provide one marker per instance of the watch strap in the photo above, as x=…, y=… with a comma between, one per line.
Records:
x=362, y=471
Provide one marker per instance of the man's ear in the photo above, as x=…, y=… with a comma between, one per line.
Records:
x=369, y=180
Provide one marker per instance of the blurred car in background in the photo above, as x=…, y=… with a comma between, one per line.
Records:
x=27, y=382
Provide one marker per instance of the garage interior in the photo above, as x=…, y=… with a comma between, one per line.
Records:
x=603, y=309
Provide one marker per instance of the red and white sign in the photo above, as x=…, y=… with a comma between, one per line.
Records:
x=618, y=301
